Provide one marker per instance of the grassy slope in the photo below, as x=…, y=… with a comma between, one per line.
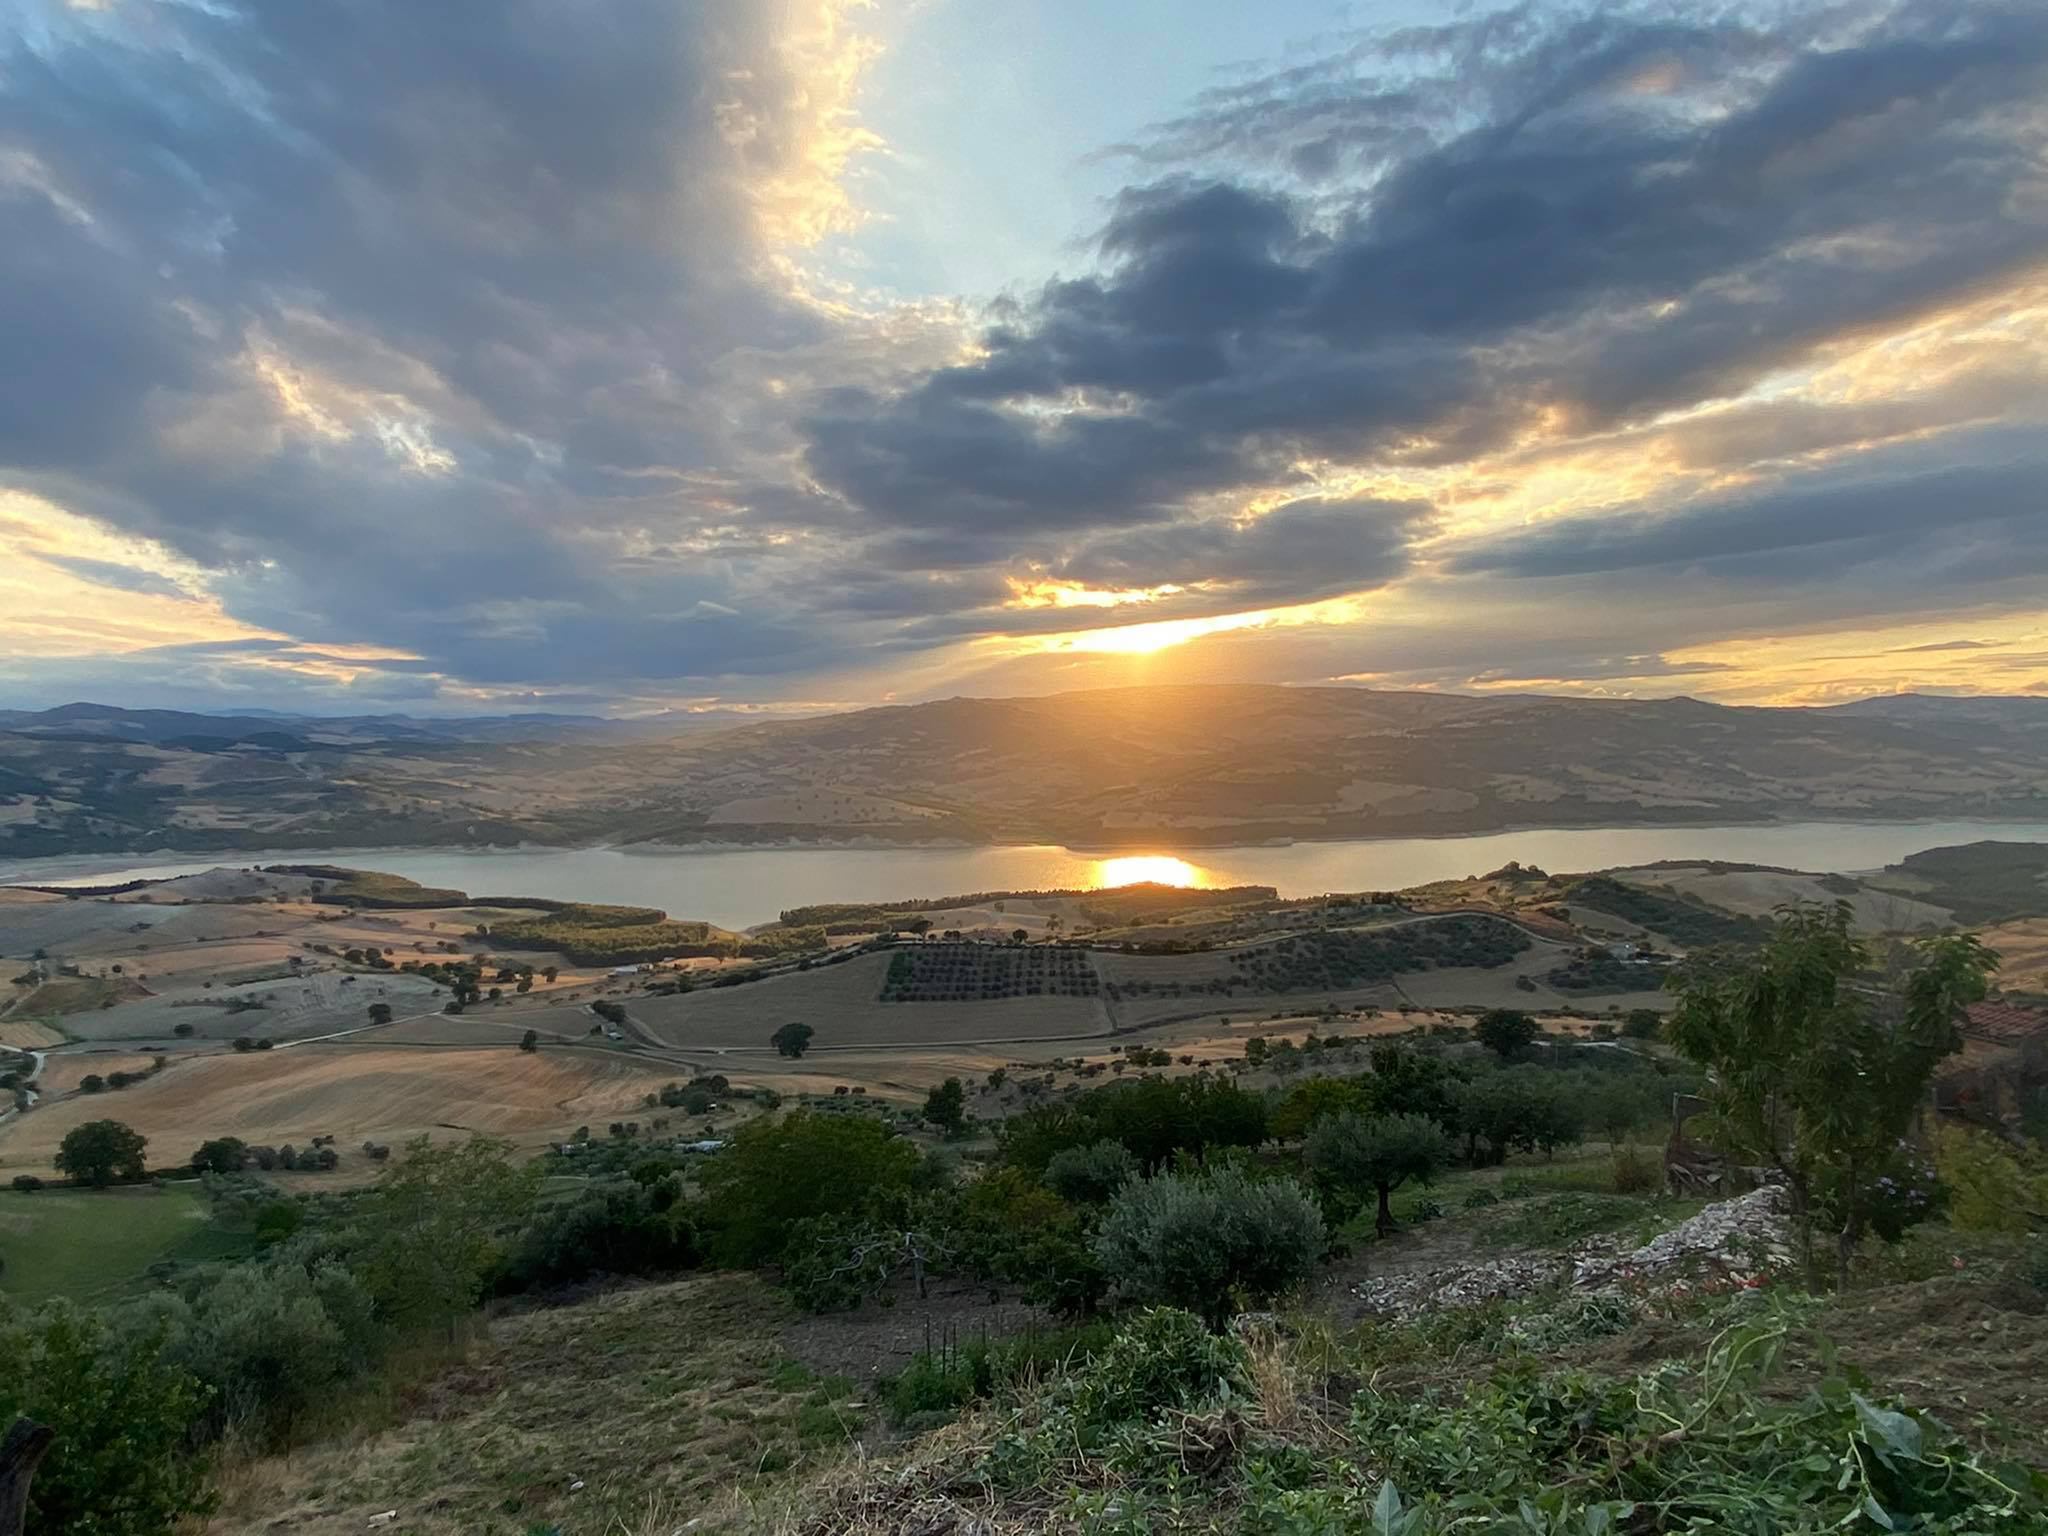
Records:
x=667, y=1403
x=96, y=1244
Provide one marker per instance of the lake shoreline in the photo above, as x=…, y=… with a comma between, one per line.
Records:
x=80, y=865
x=741, y=887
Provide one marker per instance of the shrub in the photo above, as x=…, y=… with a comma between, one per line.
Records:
x=223, y=1154
x=1164, y=1358
x=777, y=1173
x=122, y=1463
x=622, y=1227
x=1210, y=1241
x=1993, y=1186
x=272, y=1342
x=1506, y=1032
x=27, y=1183
x=1636, y=1172
x=1090, y=1175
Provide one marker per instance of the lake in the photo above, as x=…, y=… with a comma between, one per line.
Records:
x=738, y=887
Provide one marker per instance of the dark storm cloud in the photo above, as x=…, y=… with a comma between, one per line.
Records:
x=1805, y=530
x=499, y=252
x=451, y=328
x=1302, y=550
x=1598, y=219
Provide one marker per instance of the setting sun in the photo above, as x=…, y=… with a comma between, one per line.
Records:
x=1149, y=869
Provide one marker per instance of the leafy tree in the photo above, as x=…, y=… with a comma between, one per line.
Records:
x=792, y=1040
x=1315, y=1099
x=102, y=1152
x=1018, y=936
x=777, y=1173
x=1506, y=1031
x=434, y=1228
x=946, y=1107
x=530, y=1041
x=272, y=1342
x=223, y=1154
x=1521, y=1109
x=1255, y=1051
x=1817, y=1065
x=1353, y=1153
x=1154, y=1118
x=621, y=1227
x=1210, y=1241
x=1642, y=1024
x=122, y=1464
x=92, y=1082
x=380, y=1013
x=1090, y=1175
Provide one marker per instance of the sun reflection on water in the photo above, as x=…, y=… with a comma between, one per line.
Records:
x=1149, y=868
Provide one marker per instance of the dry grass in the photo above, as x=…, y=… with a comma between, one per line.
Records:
x=28, y=1035
x=666, y=1404
x=64, y=1072
x=353, y=1094
x=2023, y=950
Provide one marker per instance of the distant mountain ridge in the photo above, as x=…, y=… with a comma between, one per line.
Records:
x=1184, y=765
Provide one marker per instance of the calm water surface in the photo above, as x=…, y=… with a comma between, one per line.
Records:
x=741, y=886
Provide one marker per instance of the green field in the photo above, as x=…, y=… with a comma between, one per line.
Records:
x=93, y=1244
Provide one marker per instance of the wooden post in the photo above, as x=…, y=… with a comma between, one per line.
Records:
x=20, y=1452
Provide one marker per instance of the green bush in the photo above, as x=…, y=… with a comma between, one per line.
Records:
x=123, y=1412
x=1636, y=1172
x=777, y=1173
x=1211, y=1241
x=272, y=1342
x=1163, y=1358
x=1090, y=1175
x=620, y=1227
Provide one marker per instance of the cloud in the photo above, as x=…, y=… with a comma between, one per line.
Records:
x=473, y=347
x=1586, y=253
x=1989, y=517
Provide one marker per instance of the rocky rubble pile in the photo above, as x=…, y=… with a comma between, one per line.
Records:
x=1739, y=1240
x=1404, y=1296
x=1732, y=1241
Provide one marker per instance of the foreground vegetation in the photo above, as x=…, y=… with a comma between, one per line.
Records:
x=1139, y=1221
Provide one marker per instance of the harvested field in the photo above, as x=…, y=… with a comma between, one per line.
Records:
x=841, y=1002
x=1759, y=892
x=2023, y=948
x=63, y=1072
x=58, y=923
x=386, y=1094
x=293, y=1008
x=28, y=1035
x=482, y=1025
x=77, y=994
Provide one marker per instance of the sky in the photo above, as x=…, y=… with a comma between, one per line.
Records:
x=622, y=355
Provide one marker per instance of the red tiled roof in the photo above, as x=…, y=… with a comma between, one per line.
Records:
x=2004, y=1021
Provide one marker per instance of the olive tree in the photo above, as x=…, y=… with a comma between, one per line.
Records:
x=1354, y=1153
x=1210, y=1241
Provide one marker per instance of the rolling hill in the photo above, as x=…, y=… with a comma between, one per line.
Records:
x=1190, y=764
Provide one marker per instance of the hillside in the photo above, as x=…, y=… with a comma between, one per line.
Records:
x=1198, y=764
